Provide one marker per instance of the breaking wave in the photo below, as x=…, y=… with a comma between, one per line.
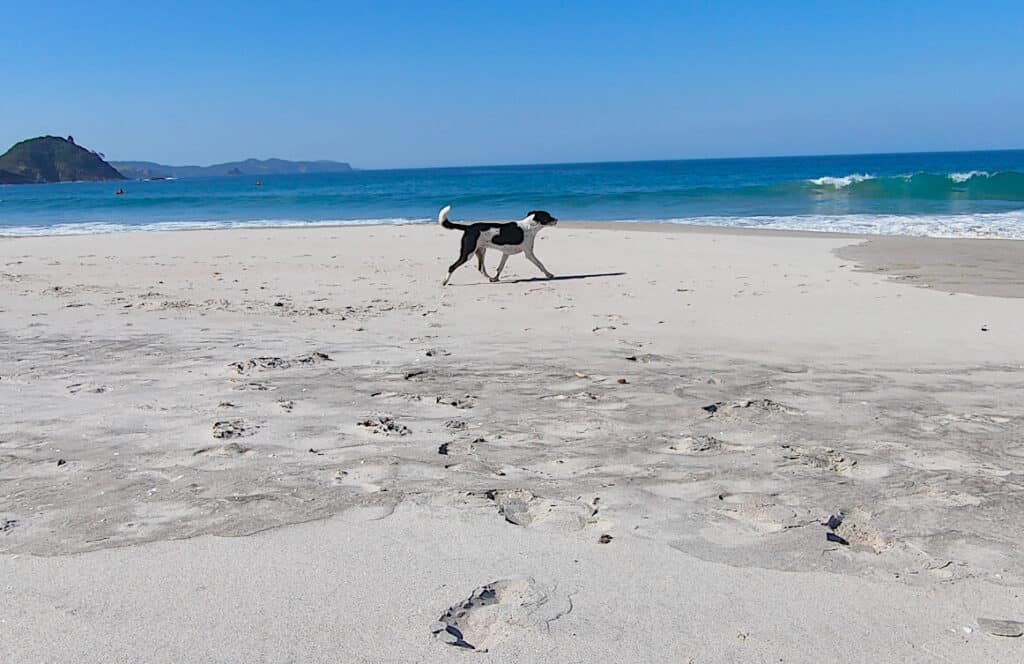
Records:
x=1005, y=185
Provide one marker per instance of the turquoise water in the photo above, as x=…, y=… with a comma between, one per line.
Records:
x=963, y=194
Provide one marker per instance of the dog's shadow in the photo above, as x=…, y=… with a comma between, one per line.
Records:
x=564, y=277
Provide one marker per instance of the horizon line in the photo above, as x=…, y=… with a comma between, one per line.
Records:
x=580, y=163
x=655, y=161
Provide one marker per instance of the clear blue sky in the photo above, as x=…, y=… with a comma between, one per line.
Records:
x=391, y=84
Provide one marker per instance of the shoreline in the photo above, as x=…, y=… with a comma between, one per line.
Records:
x=642, y=225
x=977, y=266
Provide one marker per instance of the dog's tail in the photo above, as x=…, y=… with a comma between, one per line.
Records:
x=442, y=218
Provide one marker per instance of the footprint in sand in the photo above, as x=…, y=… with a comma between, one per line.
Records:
x=574, y=396
x=857, y=530
x=384, y=425
x=751, y=406
x=266, y=363
x=825, y=458
x=498, y=611
x=522, y=508
x=228, y=450
x=701, y=444
x=459, y=447
x=407, y=396
x=253, y=387
x=766, y=513
x=462, y=403
x=367, y=477
x=90, y=388
x=646, y=358
x=233, y=429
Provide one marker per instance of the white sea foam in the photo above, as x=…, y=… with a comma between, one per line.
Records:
x=1009, y=225
x=99, y=227
x=960, y=178
x=841, y=182
x=1006, y=225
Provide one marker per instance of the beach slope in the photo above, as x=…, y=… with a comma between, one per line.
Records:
x=692, y=445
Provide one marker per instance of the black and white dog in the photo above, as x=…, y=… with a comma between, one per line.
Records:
x=509, y=238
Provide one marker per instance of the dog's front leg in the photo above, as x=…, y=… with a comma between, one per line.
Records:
x=536, y=261
x=480, y=263
x=501, y=266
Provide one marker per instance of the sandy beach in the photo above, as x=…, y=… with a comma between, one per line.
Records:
x=693, y=445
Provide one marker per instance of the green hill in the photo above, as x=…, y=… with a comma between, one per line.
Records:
x=53, y=159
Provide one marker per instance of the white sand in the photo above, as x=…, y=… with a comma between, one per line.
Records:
x=836, y=389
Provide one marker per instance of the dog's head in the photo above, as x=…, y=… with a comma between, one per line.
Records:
x=541, y=217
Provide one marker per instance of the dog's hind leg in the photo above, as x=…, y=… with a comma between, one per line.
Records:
x=501, y=266
x=468, y=249
x=480, y=262
x=536, y=261
x=455, y=266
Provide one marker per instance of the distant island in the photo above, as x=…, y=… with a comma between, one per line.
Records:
x=147, y=170
x=53, y=159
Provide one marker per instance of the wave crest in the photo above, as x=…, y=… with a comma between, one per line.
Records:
x=960, y=178
x=840, y=182
x=974, y=185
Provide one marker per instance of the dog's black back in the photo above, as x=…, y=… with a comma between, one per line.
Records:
x=508, y=233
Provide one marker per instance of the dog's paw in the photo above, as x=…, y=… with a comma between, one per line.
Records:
x=549, y=275
x=494, y=280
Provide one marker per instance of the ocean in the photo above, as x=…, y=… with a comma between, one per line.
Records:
x=957, y=194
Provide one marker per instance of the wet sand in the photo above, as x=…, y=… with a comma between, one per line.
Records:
x=978, y=267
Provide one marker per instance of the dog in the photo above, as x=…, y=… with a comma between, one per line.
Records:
x=509, y=238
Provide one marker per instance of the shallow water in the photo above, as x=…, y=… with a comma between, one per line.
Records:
x=963, y=194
